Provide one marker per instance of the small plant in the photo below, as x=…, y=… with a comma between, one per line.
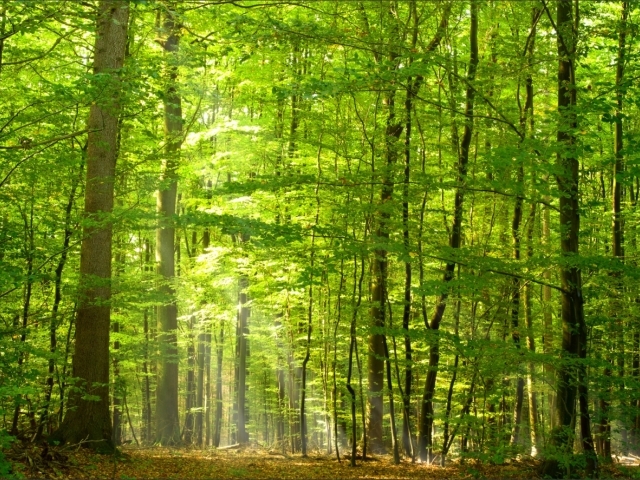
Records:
x=6, y=469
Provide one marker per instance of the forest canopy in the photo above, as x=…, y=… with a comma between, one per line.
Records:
x=361, y=227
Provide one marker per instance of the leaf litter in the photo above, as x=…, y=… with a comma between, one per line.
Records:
x=254, y=463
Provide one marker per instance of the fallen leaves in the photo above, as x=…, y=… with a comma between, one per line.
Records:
x=249, y=463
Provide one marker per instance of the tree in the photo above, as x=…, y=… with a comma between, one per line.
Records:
x=570, y=379
x=90, y=419
x=167, y=418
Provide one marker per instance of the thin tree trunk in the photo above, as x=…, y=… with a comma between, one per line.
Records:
x=392, y=414
x=445, y=430
x=534, y=430
x=425, y=442
x=117, y=401
x=528, y=118
x=412, y=91
x=352, y=345
x=241, y=354
x=29, y=247
x=515, y=307
x=57, y=298
x=200, y=389
x=191, y=386
x=617, y=240
x=217, y=426
x=146, y=384
x=305, y=361
x=334, y=393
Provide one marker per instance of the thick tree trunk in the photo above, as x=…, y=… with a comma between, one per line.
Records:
x=167, y=420
x=90, y=420
x=571, y=386
x=375, y=362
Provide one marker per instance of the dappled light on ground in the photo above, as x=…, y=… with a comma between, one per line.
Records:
x=168, y=463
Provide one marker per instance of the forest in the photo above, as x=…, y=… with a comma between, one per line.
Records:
x=287, y=238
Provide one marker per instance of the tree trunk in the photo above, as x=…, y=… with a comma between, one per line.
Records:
x=281, y=385
x=379, y=262
x=200, y=399
x=357, y=296
x=117, y=401
x=425, y=441
x=617, y=240
x=191, y=385
x=90, y=419
x=217, y=425
x=534, y=431
x=305, y=361
x=528, y=118
x=146, y=384
x=206, y=238
x=167, y=420
x=241, y=353
x=515, y=307
x=57, y=298
x=29, y=247
x=573, y=322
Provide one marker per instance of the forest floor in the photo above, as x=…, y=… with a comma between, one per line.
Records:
x=166, y=463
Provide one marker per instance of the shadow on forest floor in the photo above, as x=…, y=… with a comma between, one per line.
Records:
x=174, y=463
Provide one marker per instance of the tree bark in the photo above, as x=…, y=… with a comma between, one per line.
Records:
x=29, y=247
x=217, y=425
x=352, y=347
x=206, y=441
x=90, y=419
x=167, y=420
x=241, y=353
x=573, y=323
x=617, y=240
x=425, y=441
x=200, y=380
x=534, y=431
x=379, y=263
x=191, y=386
x=57, y=298
x=515, y=307
x=146, y=382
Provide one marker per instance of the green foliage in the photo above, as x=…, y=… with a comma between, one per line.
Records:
x=287, y=116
